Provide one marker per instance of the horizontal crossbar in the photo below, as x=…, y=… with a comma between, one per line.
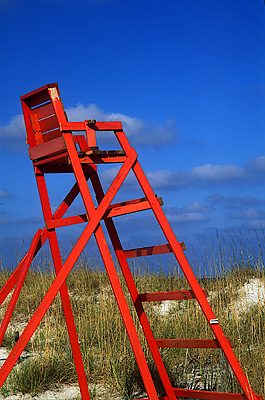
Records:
x=151, y=250
x=190, y=343
x=175, y=295
x=114, y=210
x=98, y=126
x=102, y=158
x=206, y=395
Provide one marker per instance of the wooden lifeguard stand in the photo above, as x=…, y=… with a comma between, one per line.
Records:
x=53, y=148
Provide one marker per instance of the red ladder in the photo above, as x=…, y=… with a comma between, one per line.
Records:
x=54, y=149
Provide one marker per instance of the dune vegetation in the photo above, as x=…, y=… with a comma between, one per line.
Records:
x=233, y=275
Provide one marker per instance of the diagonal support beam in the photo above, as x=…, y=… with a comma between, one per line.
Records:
x=59, y=213
x=20, y=282
x=65, y=270
x=107, y=259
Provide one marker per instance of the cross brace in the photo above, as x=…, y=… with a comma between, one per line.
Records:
x=54, y=149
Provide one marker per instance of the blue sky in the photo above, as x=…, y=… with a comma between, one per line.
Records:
x=185, y=77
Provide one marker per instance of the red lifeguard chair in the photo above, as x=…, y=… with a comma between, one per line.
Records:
x=53, y=148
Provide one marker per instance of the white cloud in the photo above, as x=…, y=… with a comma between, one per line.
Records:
x=257, y=163
x=250, y=213
x=210, y=175
x=4, y=194
x=187, y=217
x=197, y=207
x=235, y=201
x=209, y=172
x=13, y=135
x=14, y=129
x=139, y=133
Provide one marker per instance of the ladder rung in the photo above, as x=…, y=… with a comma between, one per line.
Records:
x=114, y=210
x=208, y=395
x=199, y=394
x=151, y=250
x=128, y=207
x=175, y=295
x=205, y=395
x=190, y=343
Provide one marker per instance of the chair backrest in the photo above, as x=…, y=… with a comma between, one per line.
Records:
x=43, y=112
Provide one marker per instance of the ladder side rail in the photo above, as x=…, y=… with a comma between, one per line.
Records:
x=57, y=261
x=116, y=243
x=187, y=270
x=107, y=259
x=194, y=284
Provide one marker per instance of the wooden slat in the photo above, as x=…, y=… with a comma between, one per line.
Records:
x=44, y=111
x=57, y=223
x=102, y=159
x=130, y=207
x=38, y=98
x=47, y=124
x=190, y=343
x=98, y=126
x=60, y=158
x=51, y=135
x=43, y=150
x=151, y=250
x=205, y=395
x=208, y=395
x=107, y=126
x=174, y=295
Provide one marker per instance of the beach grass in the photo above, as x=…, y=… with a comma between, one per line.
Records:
x=222, y=270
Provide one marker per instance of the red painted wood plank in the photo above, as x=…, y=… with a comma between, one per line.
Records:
x=41, y=89
x=49, y=123
x=102, y=159
x=77, y=219
x=108, y=126
x=174, y=295
x=20, y=282
x=208, y=395
x=44, y=110
x=150, y=250
x=190, y=343
x=81, y=140
x=61, y=158
x=114, y=210
x=72, y=126
x=98, y=126
x=38, y=98
x=205, y=395
x=36, y=128
x=50, y=148
x=51, y=135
